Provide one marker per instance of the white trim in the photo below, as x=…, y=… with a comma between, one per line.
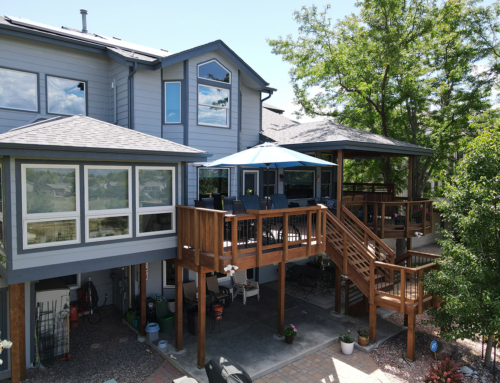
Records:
x=165, y=286
x=155, y=209
x=51, y=216
x=227, y=108
x=37, y=104
x=180, y=102
x=209, y=79
x=204, y=168
x=67, y=79
x=107, y=213
x=256, y=173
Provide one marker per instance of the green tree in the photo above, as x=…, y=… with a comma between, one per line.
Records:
x=403, y=69
x=469, y=272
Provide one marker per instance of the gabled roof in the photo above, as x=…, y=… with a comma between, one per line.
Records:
x=89, y=135
x=329, y=135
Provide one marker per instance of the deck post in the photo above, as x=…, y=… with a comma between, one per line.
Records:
x=373, y=322
x=338, y=289
x=410, y=349
x=143, y=300
x=17, y=332
x=178, y=305
x=281, y=299
x=340, y=180
x=202, y=311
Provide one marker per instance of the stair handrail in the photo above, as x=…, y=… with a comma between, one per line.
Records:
x=370, y=233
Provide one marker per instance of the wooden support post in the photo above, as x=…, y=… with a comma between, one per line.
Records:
x=410, y=348
x=202, y=311
x=285, y=237
x=319, y=239
x=281, y=298
x=180, y=234
x=217, y=230
x=324, y=231
x=345, y=247
x=309, y=232
x=408, y=244
x=373, y=323
x=178, y=305
x=143, y=300
x=17, y=332
x=340, y=180
x=338, y=289
x=234, y=240
x=407, y=221
x=410, y=178
x=375, y=218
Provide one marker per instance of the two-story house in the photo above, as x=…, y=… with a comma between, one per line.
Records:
x=94, y=195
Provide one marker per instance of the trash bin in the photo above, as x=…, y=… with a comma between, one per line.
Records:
x=164, y=317
x=152, y=331
x=193, y=321
x=223, y=370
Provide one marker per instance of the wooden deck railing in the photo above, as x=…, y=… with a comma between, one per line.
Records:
x=214, y=239
x=370, y=191
x=402, y=219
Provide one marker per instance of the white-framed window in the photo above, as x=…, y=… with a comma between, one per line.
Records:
x=108, y=202
x=172, y=102
x=155, y=200
x=66, y=96
x=50, y=205
x=214, y=71
x=19, y=90
x=213, y=106
x=300, y=184
x=168, y=275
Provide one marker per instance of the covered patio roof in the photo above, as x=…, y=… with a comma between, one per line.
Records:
x=329, y=135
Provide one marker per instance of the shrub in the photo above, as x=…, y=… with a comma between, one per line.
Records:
x=444, y=371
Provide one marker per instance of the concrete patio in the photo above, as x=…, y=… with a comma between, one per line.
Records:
x=248, y=334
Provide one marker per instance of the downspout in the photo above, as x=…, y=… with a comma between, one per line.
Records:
x=130, y=97
x=260, y=110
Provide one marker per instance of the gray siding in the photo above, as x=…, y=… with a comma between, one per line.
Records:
x=119, y=73
x=250, y=117
x=47, y=59
x=147, y=102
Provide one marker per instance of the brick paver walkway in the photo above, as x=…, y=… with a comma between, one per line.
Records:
x=164, y=374
x=329, y=365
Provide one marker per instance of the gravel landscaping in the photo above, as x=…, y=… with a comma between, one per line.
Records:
x=100, y=352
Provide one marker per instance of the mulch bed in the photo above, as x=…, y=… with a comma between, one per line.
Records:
x=100, y=352
x=391, y=355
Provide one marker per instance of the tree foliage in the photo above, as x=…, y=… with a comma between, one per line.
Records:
x=404, y=69
x=469, y=272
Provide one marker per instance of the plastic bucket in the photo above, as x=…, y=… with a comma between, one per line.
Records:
x=162, y=344
x=171, y=305
x=164, y=317
x=152, y=331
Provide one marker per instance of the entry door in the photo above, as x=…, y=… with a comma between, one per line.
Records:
x=250, y=182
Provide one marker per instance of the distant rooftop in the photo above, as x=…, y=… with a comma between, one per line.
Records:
x=273, y=108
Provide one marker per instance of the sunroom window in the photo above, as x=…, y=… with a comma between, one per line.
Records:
x=155, y=196
x=50, y=205
x=108, y=208
x=213, y=70
x=213, y=106
x=19, y=90
x=65, y=96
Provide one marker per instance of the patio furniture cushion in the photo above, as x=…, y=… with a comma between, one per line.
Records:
x=250, y=202
x=209, y=203
x=228, y=204
x=279, y=201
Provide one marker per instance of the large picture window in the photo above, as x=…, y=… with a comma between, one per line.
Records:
x=155, y=195
x=66, y=96
x=299, y=183
x=213, y=181
x=173, y=102
x=18, y=90
x=213, y=106
x=50, y=205
x=108, y=207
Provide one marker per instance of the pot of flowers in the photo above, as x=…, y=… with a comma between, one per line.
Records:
x=363, y=335
x=346, y=342
x=290, y=334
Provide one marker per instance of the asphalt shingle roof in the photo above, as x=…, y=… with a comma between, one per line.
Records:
x=89, y=133
x=283, y=131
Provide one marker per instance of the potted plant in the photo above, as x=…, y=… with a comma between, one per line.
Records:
x=346, y=342
x=290, y=334
x=363, y=335
x=399, y=219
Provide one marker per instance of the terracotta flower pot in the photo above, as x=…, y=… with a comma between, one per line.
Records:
x=363, y=341
x=289, y=339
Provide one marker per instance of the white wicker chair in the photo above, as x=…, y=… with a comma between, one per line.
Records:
x=240, y=281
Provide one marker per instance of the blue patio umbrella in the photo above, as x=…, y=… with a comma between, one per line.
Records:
x=267, y=156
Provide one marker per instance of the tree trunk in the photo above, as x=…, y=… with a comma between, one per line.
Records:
x=387, y=170
x=489, y=349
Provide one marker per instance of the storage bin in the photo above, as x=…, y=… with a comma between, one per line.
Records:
x=152, y=331
x=164, y=317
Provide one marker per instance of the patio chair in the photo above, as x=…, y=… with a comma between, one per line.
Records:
x=244, y=286
x=217, y=201
x=189, y=291
x=209, y=203
x=281, y=202
x=238, y=207
x=228, y=204
x=219, y=292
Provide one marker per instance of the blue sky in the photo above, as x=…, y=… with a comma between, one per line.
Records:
x=179, y=25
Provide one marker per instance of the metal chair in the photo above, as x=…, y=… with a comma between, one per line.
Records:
x=219, y=292
x=189, y=292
